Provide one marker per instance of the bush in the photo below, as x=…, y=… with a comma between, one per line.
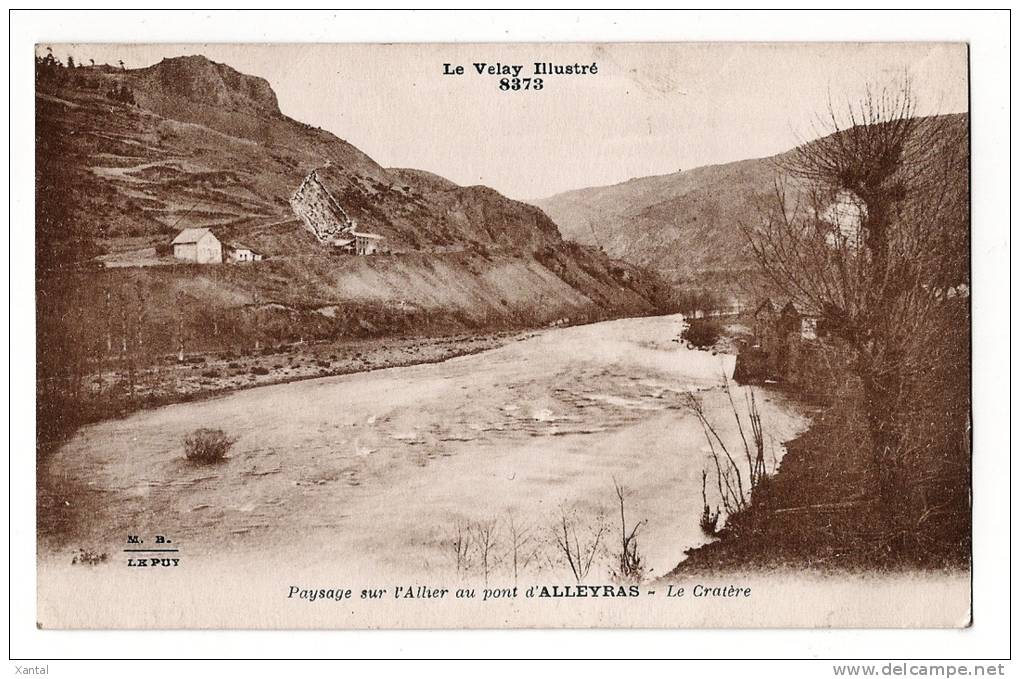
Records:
x=259, y=370
x=703, y=333
x=207, y=445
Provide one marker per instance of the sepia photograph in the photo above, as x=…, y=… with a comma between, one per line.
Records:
x=503, y=335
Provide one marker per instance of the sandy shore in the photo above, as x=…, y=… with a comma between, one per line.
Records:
x=211, y=374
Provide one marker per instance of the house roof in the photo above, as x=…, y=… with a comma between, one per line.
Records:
x=765, y=306
x=362, y=234
x=340, y=242
x=799, y=308
x=191, y=236
x=234, y=245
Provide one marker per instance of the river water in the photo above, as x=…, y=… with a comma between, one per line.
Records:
x=436, y=470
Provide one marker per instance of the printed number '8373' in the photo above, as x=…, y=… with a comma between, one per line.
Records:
x=515, y=84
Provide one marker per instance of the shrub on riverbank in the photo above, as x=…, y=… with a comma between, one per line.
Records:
x=207, y=445
x=703, y=333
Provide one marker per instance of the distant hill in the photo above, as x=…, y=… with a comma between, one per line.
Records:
x=684, y=225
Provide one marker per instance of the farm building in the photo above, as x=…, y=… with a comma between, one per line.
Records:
x=357, y=242
x=238, y=253
x=783, y=341
x=198, y=245
x=366, y=243
x=794, y=318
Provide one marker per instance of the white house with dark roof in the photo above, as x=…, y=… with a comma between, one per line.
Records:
x=198, y=245
x=239, y=253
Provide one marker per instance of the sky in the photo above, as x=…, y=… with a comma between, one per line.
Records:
x=652, y=108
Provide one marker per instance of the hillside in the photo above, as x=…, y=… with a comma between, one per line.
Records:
x=126, y=159
x=679, y=224
x=194, y=143
x=684, y=225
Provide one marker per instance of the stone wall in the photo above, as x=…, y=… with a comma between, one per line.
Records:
x=319, y=210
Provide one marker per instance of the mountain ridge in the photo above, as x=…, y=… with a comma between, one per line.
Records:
x=685, y=225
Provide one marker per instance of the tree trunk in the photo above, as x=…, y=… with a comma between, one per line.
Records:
x=887, y=465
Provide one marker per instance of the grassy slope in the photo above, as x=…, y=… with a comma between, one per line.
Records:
x=679, y=223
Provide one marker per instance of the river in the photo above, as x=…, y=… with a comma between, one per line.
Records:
x=386, y=472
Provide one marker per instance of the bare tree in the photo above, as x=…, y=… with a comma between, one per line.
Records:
x=709, y=519
x=868, y=227
x=180, y=328
x=522, y=548
x=256, y=329
x=461, y=547
x=123, y=328
x=487, y=536
x=595, y=236
x=729, y=480
x=733, y=491
x=630, y=566
x=139, y=319
x=108, y=308
x=579, y=554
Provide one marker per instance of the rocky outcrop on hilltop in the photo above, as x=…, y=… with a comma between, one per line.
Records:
x=203, y=81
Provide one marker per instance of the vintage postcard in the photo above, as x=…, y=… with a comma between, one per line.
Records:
x=503, y=335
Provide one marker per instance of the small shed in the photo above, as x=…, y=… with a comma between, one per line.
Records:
x=198, y=245
x=239, y=253
x=795, y=318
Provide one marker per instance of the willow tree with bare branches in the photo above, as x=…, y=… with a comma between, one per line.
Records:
x=868, y=227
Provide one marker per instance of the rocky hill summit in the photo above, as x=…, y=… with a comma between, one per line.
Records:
x=202, y=81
